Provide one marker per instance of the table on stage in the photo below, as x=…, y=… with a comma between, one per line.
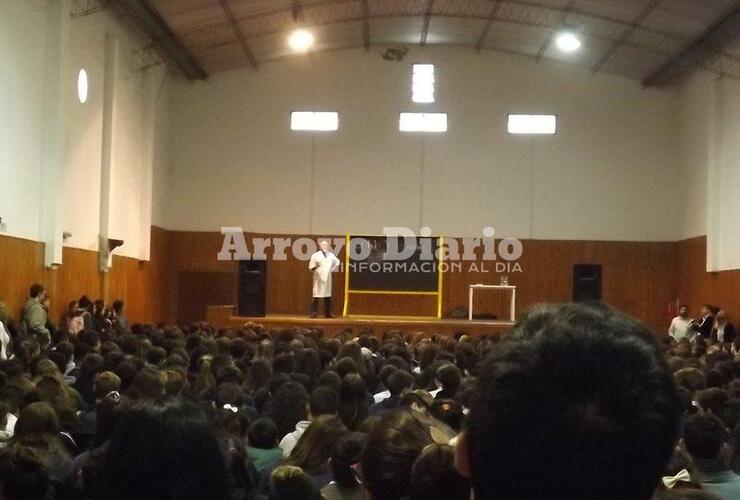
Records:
x=511, y=288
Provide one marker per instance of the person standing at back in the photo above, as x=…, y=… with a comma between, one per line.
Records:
x=35, y=317
x=681, y=325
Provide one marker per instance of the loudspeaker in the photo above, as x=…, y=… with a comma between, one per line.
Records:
x=252, y=285
x=586, y=283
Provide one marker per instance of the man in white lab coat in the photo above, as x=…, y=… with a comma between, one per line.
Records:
x=322, y=264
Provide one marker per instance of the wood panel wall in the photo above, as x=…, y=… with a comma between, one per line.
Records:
x=141, y=285
x=638, y=278
x=695, y=286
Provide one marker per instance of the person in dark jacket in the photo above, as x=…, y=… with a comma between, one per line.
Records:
x=724, y=330
x=704, y=325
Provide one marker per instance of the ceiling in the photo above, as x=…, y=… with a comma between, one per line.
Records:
x=632, y=38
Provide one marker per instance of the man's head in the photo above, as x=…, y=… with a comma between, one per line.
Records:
x=36, y=292
x=706, y=310
x=683, y=311
x=574, y=393
x=324, y=245
x=704, y=436
x=118, y=306
x=323, y=401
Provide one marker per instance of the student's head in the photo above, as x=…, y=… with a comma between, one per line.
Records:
x=263, y=434
x=314, y=448
x=36, y=423
x=345, y=457
x=704, y=436
x=289, y=406
x=324, y=245
x=105, y=383
x=289, y=482
x=721, y=317
x=683, y=310
x=448, y=411
x=399, y=382
x=706, y=310
x=434, y=476
x=23, y=475
x=36, y=291
x=118, y=306
x=162, y=449
x=392, y=447
x=712, y=400
x=323, y=401
x=449, y=377
x=574, y=391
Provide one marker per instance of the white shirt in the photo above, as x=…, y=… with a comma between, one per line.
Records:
x=4, y=341
x=290, y=440
x=680, y=328
x=381, y=396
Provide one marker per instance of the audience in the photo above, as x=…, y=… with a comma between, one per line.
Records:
x=577, y=402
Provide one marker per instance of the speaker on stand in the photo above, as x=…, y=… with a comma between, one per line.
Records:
x=587, y=283
x=252, y=286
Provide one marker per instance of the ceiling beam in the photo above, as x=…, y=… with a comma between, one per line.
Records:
x=366, y=24
x=563, y=16
x=712, y=41
x=297, y=11
x=238, y=33
x=427, y=21
x=489, y=22
x=157, y=29
x=649, y=8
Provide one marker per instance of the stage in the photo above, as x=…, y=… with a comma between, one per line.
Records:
x=224, y=317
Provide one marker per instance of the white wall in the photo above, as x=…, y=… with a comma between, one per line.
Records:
x=695, y=125
x=609, y=173
x=710, y=166
x=29, y=46
x=21, y=132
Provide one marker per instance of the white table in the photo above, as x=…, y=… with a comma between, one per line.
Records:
x=512, y=288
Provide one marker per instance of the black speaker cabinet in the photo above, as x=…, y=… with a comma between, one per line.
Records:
x=586, y=283
x=252, y=287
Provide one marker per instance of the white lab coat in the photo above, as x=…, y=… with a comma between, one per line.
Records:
x=323, y=266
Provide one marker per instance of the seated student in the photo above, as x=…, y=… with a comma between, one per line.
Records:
x=705, y=438
x=449, y=378
x=344, y=458
x=23, y=476
x=392, y=447
x=38, y=428
x=577, y=403
x=291, y=483
x=314, y=449
x=323, y=401
x=162, y=449
x=434, y=477
x=399, y=382
x=263, y=450
x=104, y=384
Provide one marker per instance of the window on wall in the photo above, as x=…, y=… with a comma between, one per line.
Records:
x=423, y=122
x=532, y=124
x=83, y=86
x=422, y=83
x=320, y=121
